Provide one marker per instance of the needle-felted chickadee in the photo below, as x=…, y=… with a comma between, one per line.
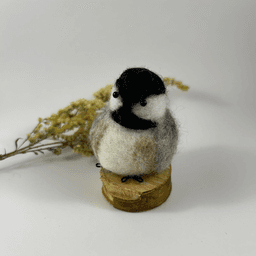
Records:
x=135, y=133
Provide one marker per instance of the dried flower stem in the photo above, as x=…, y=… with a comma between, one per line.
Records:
x=77, y=117
x=34, y=149
x=28, y=136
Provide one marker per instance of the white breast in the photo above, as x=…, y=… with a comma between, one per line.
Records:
x=116, y=150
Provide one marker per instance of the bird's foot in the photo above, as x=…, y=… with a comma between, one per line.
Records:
x=135, y=177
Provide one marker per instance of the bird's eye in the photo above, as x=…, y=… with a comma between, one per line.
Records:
x=115, y=94
x=143, y=103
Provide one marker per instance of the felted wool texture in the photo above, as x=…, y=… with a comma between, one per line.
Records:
x=155, y=109
x=133, y=152
x=132, y=138
x=124, y=151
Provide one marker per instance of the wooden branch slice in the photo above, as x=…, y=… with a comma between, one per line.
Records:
x=133, y=196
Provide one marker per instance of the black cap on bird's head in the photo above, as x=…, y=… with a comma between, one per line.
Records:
x=136, y=84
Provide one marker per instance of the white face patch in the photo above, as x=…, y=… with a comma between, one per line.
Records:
x=155, y=108
x=114, y=103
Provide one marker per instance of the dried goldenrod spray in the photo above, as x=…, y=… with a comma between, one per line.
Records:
x=70, y=126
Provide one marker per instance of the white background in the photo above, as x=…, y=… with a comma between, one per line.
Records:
x=54, y=52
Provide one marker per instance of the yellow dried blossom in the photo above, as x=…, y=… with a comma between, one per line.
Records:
x=77, y=117
x=32, y=140
x=171, y=81
x=168, y=81
x=57, y=151
x=104, y=93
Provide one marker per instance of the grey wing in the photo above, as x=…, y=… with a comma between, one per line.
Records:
x=101, y=114
x=98, y=127
x=167, y=141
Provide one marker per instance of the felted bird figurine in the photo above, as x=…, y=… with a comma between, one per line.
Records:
x=135, y=133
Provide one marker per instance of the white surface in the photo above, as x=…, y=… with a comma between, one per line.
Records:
x=55, y=52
